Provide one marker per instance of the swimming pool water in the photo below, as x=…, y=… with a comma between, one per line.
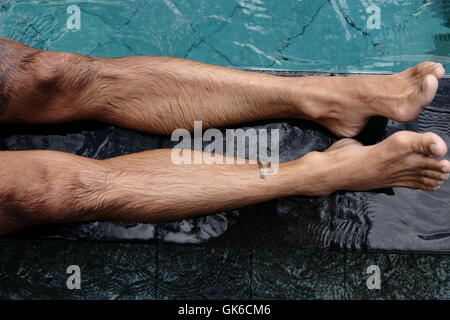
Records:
x=320, y=35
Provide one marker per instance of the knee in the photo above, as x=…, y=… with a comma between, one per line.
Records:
x=45, y=86
x=18, y=210
x=42, y=187
x=24, y=81
x=25, y=190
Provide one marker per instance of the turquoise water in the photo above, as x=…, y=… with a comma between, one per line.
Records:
x=330, y=35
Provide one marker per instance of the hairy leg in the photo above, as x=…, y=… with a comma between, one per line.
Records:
x=160, y=94
x=51, y=187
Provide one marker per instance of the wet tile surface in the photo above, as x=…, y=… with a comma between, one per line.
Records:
x=37, y=270
x=295, y=274
x=31, y=269
x=403, y=276
x=113, y=270
x=192, y=272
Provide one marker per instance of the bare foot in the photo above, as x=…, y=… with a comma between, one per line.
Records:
x=344, y=104
x=405, y=159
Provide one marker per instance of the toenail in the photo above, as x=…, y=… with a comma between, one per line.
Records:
x=434, y=149
x=424, y=85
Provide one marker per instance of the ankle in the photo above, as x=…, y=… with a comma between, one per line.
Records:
x=315, y=97
x=310, y=175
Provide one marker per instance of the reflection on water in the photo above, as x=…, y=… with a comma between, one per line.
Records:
x=328, y=35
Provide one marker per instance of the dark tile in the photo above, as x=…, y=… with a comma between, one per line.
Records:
x=403, y=276
x=294, y=274
x=112, y=270
x=200, y=272
x=31, y=269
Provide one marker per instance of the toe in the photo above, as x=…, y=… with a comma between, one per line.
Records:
x=431, y=144
x=435, y=175
x=428, y=67
x=444, y=166
x=438, y=71
x=428, y=89
x=424, y=184
x=441, y=166
x=417, y=185
x=430, y=182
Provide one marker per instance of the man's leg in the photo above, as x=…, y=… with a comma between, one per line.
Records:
x=52, y=187
x=160, y=94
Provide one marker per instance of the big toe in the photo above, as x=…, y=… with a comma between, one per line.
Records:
x=428, y=89
x=431, y=144
x=425, y=68
x=438, y=71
